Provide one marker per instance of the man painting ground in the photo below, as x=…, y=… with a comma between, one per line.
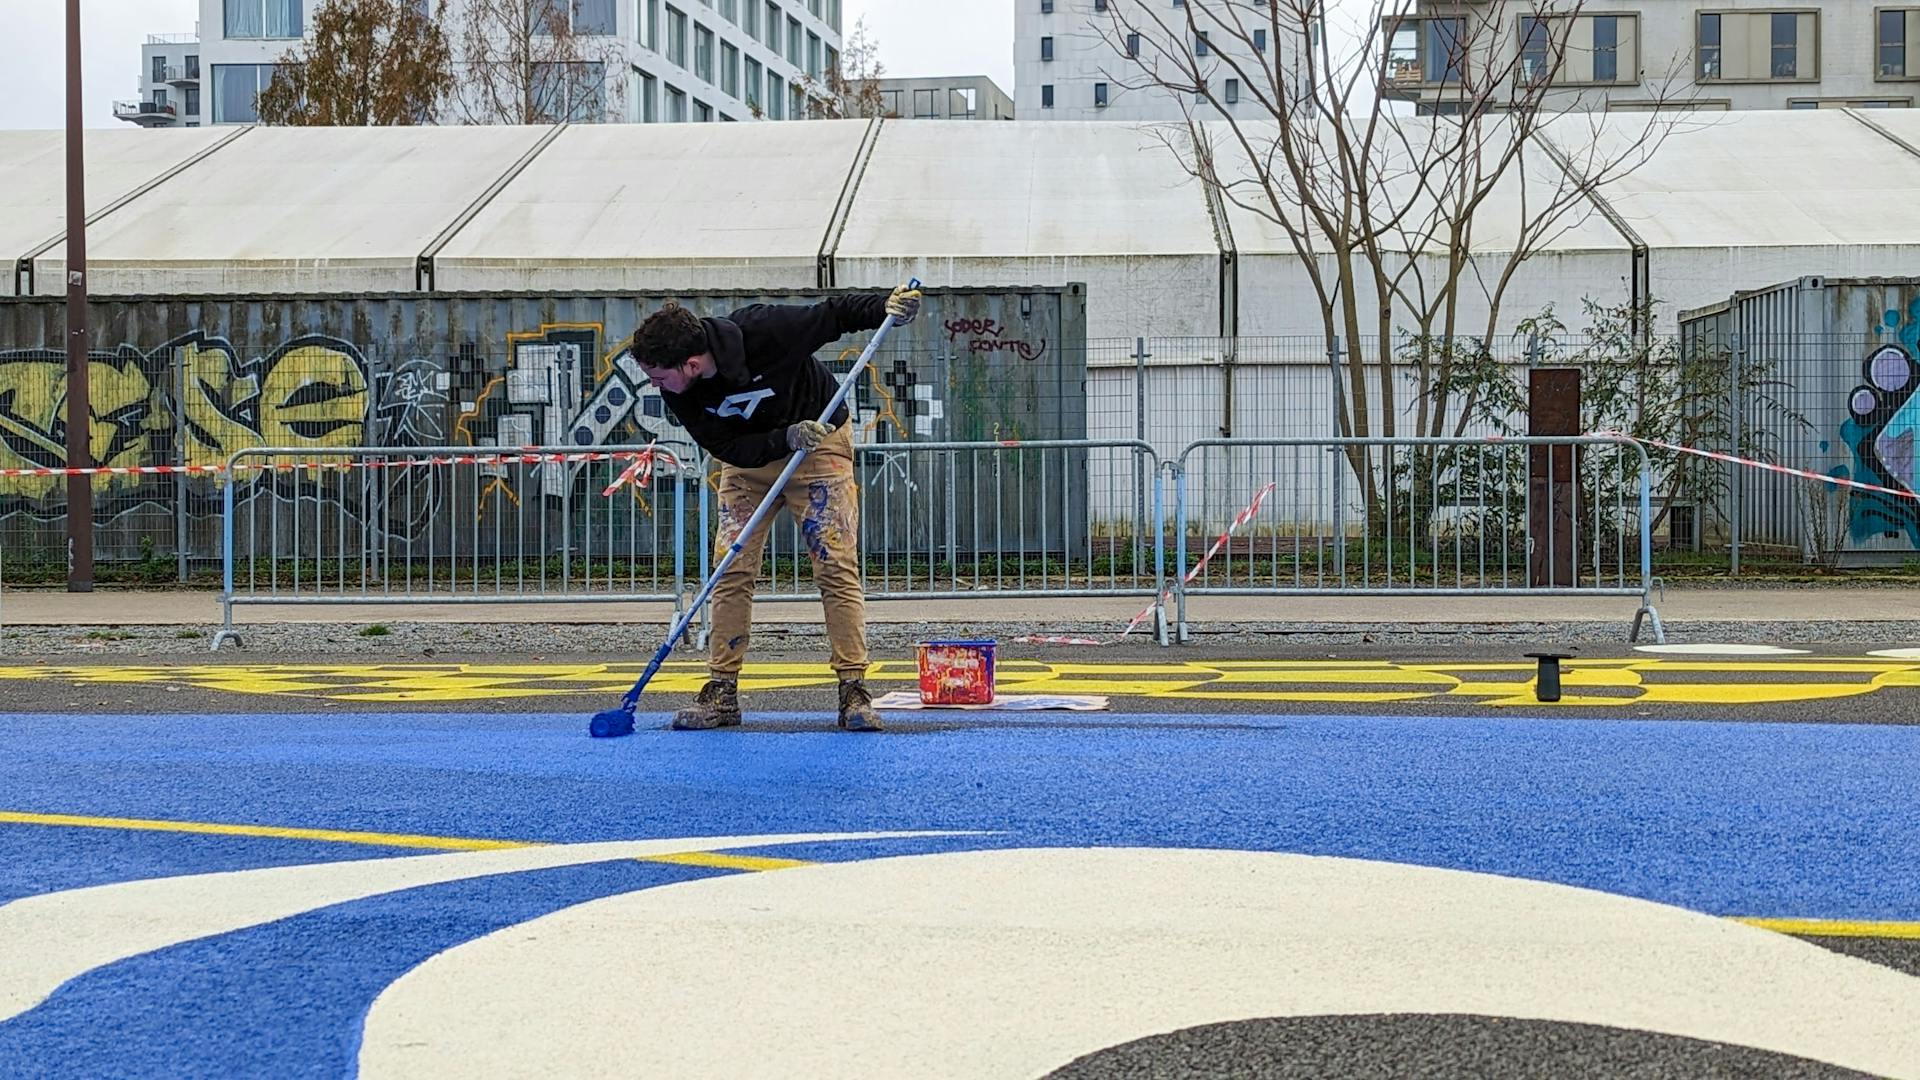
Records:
x=748, y=389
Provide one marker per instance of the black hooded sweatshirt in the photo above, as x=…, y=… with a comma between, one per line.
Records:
x=766, y=377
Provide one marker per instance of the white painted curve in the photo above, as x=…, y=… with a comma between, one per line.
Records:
x=1014, y=962
x=48, y=939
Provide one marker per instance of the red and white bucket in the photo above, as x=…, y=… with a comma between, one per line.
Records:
x=956, y=672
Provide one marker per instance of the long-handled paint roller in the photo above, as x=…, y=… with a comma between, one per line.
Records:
x=616, y=722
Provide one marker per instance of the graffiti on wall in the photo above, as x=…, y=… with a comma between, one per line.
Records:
x=193, y=400
x=1881, y=429
x=197, y=398
x=989, y=336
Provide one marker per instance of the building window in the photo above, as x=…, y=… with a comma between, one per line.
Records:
x=794, y=38
x=799, y=110
x=594, y=17
x=1891, y=43
x=676, y=36
x=702, y=112
x=1046, y=48
x=193, y=65
x=923, y=105
x=1606, y=49
x=813, y=56
x=1200, y=43
x=160, y=99
x=574, y=92
x=1100, y=95
x=890, y=104
x=647, y=30
x=750, y=93
x=676, y=105
x=773, y=27
x=1099, y=5
x=1046, y=95
x=1260, y=41
x=750, y=21
x=730, y=10
x=1535, y=53
x=159, y=69
x=1758, y=46
x=649, y=99
x=192, y=105
x=776, y=97
x=236, y=87
x=1709, y=47
x=833, y=15
x=263, y=19
x=1786, y=45
x=1046, y=7
x=1133, y=46
x=1445, y=41
x=963, y=102
x=703, y=52
x=730, y=69
x=1233, y=91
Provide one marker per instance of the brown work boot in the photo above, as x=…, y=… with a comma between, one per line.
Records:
x=718, y=705
x=856, y=707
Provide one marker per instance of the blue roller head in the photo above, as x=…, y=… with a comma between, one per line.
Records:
x=611, y=724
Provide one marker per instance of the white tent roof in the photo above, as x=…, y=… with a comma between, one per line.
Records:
x=344, y=197
x=33, y=176
x=668, y=193
x=1790, y=178
x=998, y=189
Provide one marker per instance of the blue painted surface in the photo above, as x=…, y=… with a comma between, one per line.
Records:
x=288, y=998
x=1738, y=819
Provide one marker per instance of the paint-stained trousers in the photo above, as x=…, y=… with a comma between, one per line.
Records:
x=822, y=498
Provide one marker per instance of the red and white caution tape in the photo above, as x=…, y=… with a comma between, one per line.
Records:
x=1246, y=515
x=645, y=457
x=1784, y=470
x=640, y=473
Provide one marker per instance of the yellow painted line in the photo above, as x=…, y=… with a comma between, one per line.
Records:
x=276, y=832
x=1838, y=927
x=722, y=861
x=716, y=860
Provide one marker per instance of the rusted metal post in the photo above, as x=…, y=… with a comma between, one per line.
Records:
x=79, y=407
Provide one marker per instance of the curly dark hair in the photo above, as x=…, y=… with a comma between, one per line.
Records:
x=669, y=338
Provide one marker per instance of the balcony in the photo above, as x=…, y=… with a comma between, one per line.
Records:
x=147, y=114
x=179, y=76
x=176, y=39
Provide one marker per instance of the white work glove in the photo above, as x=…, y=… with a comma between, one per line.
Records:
x=903, y=304
x=807, y=435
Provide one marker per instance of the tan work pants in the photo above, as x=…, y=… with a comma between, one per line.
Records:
x=821, y=496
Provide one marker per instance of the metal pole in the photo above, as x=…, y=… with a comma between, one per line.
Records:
x=1737, y=395
x=1140, y=355
x=79, y=407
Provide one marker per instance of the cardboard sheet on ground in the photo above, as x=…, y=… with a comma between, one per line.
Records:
x=910, y=699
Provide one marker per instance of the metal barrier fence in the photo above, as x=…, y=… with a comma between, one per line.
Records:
x=450, y=525
x=1436, y=517
x=1062, y=517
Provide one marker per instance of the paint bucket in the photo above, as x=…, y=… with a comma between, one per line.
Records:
x=956, y=672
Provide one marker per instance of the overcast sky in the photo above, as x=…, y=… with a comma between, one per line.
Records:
x=917, y=37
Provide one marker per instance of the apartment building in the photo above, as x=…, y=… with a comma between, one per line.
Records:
x=169, y=83
x=1080, y=59
x=1714, y=56
x=970, y=97
x=668, y=61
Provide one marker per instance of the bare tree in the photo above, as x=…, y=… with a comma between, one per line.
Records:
x=367, y=63
x=1380, y=207
x=527, y=62
x=852, y=86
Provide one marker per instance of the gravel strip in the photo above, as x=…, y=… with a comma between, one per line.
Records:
x=414, y=641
